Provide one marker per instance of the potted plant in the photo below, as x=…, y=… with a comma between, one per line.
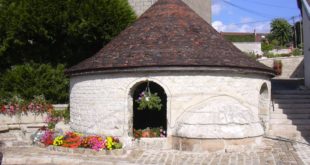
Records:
x=277, y=67
x=149, y=132
x=146, y=132
x=148, y=100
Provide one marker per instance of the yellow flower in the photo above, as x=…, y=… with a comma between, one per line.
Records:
x=58, y=141
x=109, y=143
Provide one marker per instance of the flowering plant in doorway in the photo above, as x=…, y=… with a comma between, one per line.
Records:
x=149, y=132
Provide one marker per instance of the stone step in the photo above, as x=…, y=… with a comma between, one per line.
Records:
x=289, y=134
x=8, y=139
x=289, y=127
x=291, y=92
x=4, y=128
x=290, y=111
x=291, y=96
x=291, y=101
x=287, y=121
x=15, y=143
x=287, y=105
x=290, y=116
x=21, y=143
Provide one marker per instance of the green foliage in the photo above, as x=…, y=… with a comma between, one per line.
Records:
x=266, y=47
x=117, y=145
x=240, y=38
x=150, y=101
x=269, y=55
x=62, y=114
x=62, y=31
x=297, y=52
x=51, y=125
x=281, y=31
x=34, y=79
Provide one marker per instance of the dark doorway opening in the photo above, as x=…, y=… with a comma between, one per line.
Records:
x=146, y=118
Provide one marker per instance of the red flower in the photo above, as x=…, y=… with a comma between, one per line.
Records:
x=3, y=109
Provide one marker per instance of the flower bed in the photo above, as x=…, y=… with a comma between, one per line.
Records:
x=17, y=105
x=19, y=111
x=75, y=140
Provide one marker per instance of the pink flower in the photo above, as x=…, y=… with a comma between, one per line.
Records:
x=12, y=108
x=31, y=107
x=96, y=143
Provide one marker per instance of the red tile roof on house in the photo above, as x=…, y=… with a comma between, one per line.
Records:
x=169, y=34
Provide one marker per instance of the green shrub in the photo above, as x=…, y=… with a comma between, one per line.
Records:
x=30, y=80
x=266, y=47
x=297, y=52
x=270, y=55
x=284, y=55
x=62, y=114
x=240, y=38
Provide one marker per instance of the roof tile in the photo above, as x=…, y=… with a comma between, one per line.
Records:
x=168, y=34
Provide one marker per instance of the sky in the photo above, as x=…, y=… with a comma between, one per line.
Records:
x=247, y=15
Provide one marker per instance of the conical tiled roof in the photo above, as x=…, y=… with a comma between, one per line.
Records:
x=169, y=34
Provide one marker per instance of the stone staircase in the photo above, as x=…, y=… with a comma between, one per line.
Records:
x=290, y=114
x=13, y=138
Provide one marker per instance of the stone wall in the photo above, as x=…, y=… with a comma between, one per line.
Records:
x=199, y=104
x=249, y=47
x=292, y=67
x=201, y=7
x=26, y=122
x=281, y=51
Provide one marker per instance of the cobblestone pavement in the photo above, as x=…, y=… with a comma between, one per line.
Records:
x=273, y=153
x=303, y=151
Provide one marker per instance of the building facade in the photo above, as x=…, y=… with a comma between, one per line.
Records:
x=211, y=92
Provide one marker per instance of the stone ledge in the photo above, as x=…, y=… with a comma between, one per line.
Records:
x=150, y=143
x=214, y=145
x=4, y=128
x=116, y=152
x=22, y=119
x=60, y=106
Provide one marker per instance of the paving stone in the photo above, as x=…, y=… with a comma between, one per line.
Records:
x=15, y=160
x=207, y=159
x=241, y=159
x=274, y=153
x=38, y=160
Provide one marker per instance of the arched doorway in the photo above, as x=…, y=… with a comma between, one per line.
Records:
x=149, y=119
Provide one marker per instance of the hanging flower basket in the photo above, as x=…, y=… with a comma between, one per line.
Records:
x=148, y=100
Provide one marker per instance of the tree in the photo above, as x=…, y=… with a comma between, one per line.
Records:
x=31, y=80
x=61, y=31
x=281, y=31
